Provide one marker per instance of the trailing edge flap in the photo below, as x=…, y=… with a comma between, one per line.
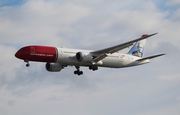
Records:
x=150, y=57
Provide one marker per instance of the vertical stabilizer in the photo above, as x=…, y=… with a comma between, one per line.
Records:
x=138, y=48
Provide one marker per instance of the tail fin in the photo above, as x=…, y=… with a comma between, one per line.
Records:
x=138, y=48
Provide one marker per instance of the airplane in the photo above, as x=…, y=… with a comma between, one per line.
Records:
x=57, y=59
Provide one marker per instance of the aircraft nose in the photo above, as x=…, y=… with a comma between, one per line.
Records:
x=18, y=54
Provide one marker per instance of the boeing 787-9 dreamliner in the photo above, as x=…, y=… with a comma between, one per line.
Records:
x=57, y=59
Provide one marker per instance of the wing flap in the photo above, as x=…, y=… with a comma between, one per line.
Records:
x=100, y=57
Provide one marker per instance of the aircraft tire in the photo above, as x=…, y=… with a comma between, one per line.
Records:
x=27, y=65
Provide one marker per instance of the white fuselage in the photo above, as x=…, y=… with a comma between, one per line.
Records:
x=66, y=56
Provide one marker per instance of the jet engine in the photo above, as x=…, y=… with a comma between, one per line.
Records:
x=81, y=57
x=53, y=67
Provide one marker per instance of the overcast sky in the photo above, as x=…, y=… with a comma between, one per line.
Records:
x=151, y=89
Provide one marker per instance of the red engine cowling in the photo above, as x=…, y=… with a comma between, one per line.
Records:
x=53, y=67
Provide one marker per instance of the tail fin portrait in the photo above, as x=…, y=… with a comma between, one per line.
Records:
x=138, y=48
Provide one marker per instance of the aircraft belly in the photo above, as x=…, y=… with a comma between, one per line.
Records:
x=112, y=62
x=119, y=62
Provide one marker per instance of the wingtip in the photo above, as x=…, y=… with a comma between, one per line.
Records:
x=148, y=35
x=153, y=34
x=161, y=55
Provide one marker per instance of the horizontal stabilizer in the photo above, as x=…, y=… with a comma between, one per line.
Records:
x=150, y=57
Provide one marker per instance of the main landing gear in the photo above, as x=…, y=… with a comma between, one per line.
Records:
x=93, y=67
x=78, y=72
x=27, y=65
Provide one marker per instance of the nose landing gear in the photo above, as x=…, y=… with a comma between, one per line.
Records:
x=27, y=65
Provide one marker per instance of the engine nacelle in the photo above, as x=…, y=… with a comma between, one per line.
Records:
x=53, y=67
x=81, y=57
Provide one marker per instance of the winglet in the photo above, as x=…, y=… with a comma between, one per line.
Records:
x=146, y=35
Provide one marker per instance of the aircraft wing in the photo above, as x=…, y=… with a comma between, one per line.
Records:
x=101, y=54
x=150, y=57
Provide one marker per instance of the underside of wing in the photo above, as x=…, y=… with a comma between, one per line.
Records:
x=101, y=54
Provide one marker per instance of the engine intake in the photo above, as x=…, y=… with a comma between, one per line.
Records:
x=53, y=67
x=81, y=57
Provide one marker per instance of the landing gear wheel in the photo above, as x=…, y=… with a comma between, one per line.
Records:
x=81, y=72
x=27, y=65
x=27, y=61
x=93, y=68
x=78, y=72
x=75, y=72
